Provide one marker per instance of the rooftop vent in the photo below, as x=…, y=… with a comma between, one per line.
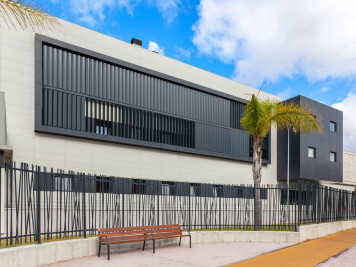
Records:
x=135, y=41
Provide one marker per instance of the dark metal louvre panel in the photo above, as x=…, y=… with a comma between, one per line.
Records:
x=236, y=111
x=63, y=110
x=181, y=189
x=77, y=73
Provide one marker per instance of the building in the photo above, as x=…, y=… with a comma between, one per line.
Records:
x=83, y=101
x=315, y=157
x=79, y=100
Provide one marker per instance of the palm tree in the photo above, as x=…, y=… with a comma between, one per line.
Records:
x=258, y=118
x=26, y=14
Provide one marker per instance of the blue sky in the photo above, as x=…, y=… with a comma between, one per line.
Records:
x=286, y=47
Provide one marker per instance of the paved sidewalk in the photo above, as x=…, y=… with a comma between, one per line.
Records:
x=345, y=259
x=217, y=254
x=309, y=253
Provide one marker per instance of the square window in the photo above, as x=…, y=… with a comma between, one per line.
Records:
x=332, y=126
x=311, y=152
x=332, y=156
x=102, y=184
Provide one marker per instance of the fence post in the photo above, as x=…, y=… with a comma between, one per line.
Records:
x=84, y=208
x=123, y=186
x=295, y=208
x=219, y=192
x=189, y=222
x=38, y=228
x=157, y=203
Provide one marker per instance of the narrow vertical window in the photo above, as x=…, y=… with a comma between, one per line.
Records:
x=311, y=152
x=332, y=156
x=332, y=126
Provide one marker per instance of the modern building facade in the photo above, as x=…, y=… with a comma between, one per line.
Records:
x=83, y=101
x=315, y=156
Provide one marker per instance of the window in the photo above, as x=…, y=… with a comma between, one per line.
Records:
x=311, y=152
x=138, y=186
x=102, y=184
x=103, y=127
x=332, y=156
x=62, y=183
x=167, y=188
x=217, y=190
x=332, y=126
x=194, y=190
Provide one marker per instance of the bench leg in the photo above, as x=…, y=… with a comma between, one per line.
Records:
x=154, y=246
x=108, y=252
x=190, y=241
x=180, y=240
x=144, y=243
x=99, y=250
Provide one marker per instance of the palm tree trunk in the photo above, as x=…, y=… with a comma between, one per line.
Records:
x=257, y=174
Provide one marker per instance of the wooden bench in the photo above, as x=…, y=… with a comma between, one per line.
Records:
x=109, y=236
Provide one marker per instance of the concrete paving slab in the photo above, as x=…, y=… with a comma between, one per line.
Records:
x=345, y=259
x=216, y=254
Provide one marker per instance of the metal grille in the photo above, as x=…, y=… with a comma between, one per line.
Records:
x=39, y=204
x=91, y=95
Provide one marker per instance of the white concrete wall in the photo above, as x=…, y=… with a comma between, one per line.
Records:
x=313, y=231
x=349, y=168
x=17, y=81
x=51, y=252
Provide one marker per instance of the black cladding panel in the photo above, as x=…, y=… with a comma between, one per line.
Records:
x=319, y=168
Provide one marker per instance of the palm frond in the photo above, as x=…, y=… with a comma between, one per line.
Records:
x=260, y=115
x=27, y=15
x=301, y=117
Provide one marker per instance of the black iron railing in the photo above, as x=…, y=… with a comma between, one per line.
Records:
x=38, y=204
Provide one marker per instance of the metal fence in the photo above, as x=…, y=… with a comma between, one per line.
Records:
x=38, y=204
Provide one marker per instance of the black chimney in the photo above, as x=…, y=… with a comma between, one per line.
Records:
x=136, y=42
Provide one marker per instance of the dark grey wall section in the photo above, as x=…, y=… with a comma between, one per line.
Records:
x=84, y=94
x=77, y=73
x=319, y=168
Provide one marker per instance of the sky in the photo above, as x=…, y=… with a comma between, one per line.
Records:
x=287, y=48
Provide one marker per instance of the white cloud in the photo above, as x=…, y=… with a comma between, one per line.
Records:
x=285, y=94
x=153, y=46
x=270, y=39
x=168, y=8
x=92, y=12
x=324, y=89
x=184, y=53
x=89, y=11
x=349, y=126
